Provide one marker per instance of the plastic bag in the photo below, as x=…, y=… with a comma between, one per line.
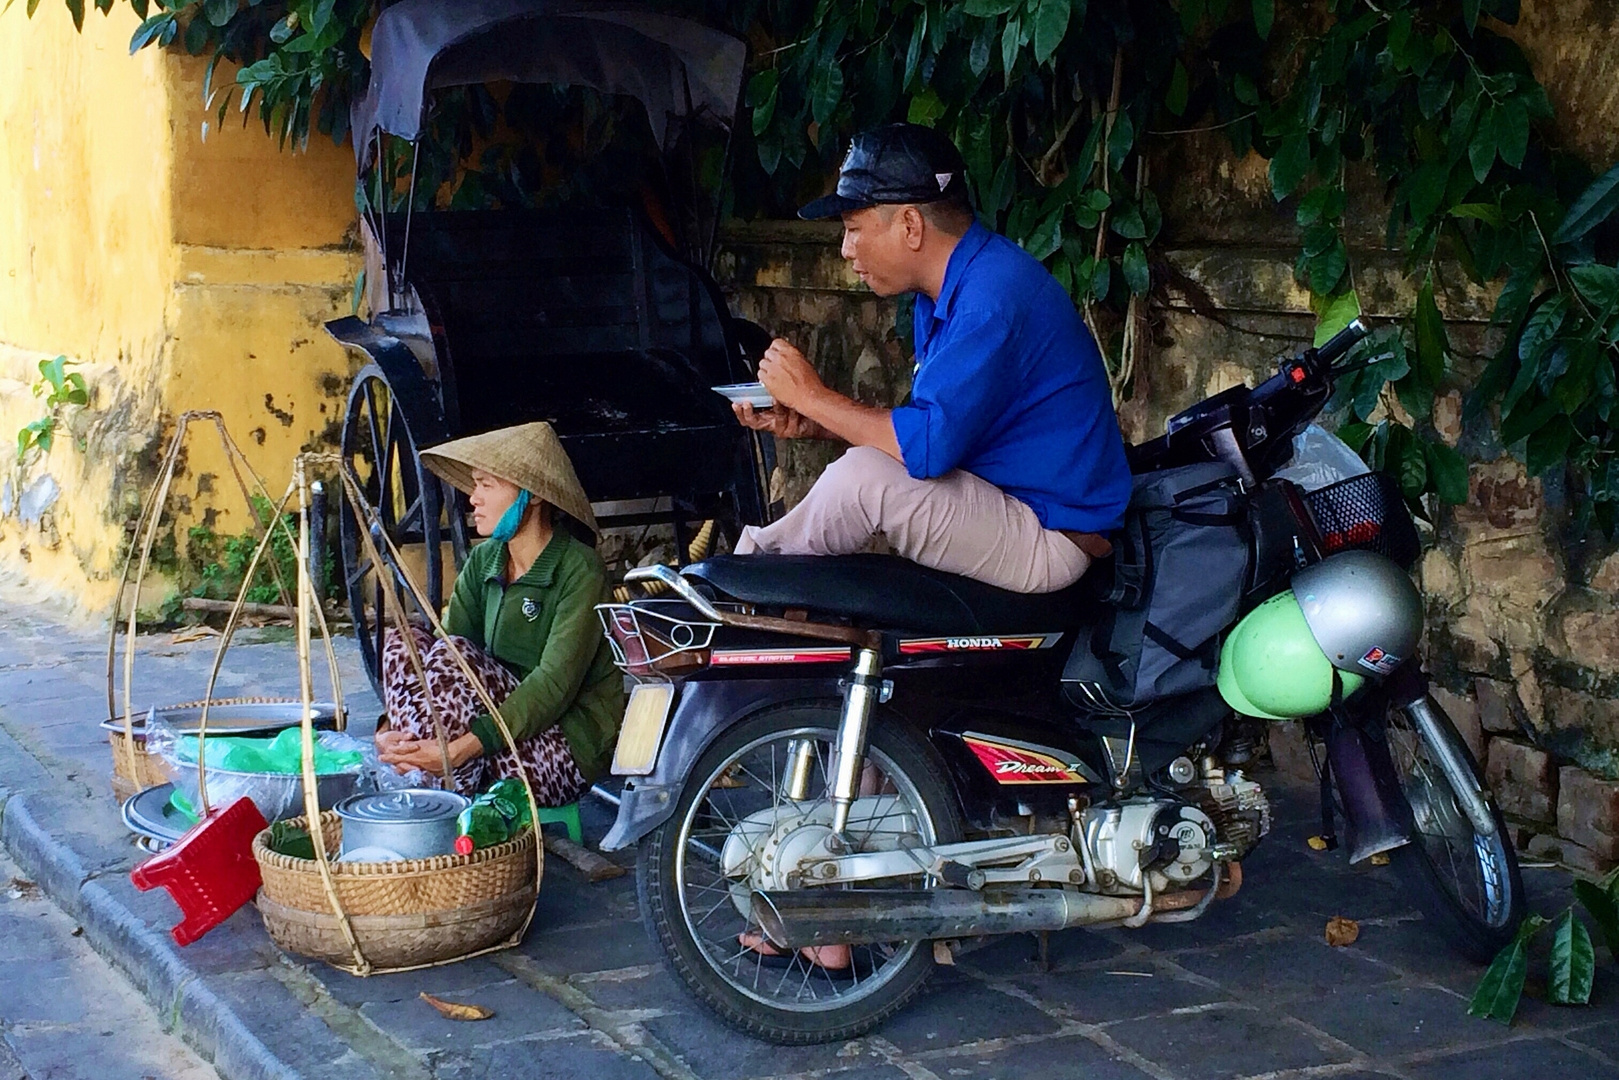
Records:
x=1321, y=458
x=270, y=770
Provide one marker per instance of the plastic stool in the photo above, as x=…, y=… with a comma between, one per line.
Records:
x=567, y=815
x=210, y=871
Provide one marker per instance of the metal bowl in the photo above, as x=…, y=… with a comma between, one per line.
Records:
x=277, y=795
x=253, y=718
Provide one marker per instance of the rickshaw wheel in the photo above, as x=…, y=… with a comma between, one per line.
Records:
x=386, y=423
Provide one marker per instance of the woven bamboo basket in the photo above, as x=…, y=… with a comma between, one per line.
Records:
x=148, y=767
x=398, y=941
x=404, y=914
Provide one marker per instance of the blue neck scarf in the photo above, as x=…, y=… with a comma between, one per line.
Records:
x=506, y=527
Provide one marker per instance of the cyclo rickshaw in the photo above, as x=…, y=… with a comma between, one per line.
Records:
x=598, y=316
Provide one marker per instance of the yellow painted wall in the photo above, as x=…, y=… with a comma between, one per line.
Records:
x=185, y=266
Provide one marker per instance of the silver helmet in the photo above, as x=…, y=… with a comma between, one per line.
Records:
x=1364, y=611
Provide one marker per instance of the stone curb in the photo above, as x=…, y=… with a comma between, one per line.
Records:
x=180, y=995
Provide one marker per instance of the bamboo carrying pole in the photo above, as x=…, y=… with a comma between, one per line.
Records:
x=143, y=540
x=386, y=558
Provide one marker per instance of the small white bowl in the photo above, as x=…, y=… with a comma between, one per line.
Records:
x=371, y=854
x=750, y=393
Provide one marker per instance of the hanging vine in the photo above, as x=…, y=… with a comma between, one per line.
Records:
x=1053, y=103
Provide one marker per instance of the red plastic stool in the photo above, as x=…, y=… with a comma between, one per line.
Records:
x=210, y=871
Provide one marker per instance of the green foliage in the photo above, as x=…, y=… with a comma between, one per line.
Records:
x=218, y=564
x=1571, y=962
x=1054, y=103
x=59, y=387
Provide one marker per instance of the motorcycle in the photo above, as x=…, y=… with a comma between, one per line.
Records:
x=836, y=769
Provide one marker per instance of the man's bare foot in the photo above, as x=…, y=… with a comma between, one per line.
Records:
x=830, y=957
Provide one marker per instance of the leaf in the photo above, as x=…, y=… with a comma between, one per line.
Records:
x=1432, y=346
x=149, y=31
x=1489, y=213
x=1603, y=908
x=1342, y=931
x=1481, y=151
x=988, y=9
x=1333, y=313
x=1594, y=206
x=1137, y=275
x=1121, y=140
x=1597, y=283
x=1573, y=962
x=1326, y=270
x=1548, y=445
x=219, y=12
x=1050, y=27
x=1470, y=14
x=1447, y=469
x=76, y=9
x=828, y=91
x=1128, y=224
x=1287, y=168
x=1010, y=39
x=978, y=57
x=1426, y=189
x=1497, y=994
x=1264, y=15
x=1540, y=329
x=1179, y=89
x=1512, y=131
x=1411, y=464
x=454, y=1010
x=1101, y=278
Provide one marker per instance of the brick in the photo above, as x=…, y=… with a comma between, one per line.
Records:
x=1578, y=857
x=1496, y=711
x=1523, y=779
x=1588, y=811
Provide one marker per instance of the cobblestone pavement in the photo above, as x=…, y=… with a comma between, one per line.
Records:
x=1251, y=990
x=65, y=1013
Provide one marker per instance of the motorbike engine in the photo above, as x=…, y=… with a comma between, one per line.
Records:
x=1237, y=806
x=1162, y=840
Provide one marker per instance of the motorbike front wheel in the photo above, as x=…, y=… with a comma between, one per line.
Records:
x=1467, y=883
x=756, y=797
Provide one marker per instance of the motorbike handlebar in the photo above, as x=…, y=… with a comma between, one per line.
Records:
x=1340, y=343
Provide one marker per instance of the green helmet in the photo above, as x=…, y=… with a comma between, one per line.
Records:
x=1272, y=668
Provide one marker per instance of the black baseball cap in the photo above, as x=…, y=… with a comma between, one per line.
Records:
x=898, y=163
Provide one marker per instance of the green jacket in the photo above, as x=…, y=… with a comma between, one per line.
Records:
x=543, y=628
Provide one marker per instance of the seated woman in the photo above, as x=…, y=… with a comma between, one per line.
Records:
x=523, y=616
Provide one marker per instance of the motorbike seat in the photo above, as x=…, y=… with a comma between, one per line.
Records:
x=891, y=593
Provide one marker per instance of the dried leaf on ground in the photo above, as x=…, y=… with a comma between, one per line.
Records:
x=22, y=889
x=1342, y=931
x=1317, y=843
x=1379, y=860
x=192, y=633
x=455, y=1010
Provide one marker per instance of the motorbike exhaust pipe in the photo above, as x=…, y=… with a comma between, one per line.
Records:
x=1369, y=794
x=800, y=917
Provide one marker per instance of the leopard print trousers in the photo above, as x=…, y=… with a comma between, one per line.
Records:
x=545, y=757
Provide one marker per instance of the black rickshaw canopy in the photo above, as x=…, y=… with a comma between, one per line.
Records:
x=673, y=66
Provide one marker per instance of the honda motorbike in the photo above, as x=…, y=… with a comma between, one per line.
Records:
x=838, y=768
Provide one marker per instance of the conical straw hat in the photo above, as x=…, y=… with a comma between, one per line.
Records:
x=528, y=455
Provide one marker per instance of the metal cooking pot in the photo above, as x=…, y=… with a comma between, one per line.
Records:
x=417, y=823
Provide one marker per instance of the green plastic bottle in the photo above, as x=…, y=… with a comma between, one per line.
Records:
x=493, y=818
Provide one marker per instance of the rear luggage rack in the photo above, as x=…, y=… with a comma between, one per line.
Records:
x=670, y=577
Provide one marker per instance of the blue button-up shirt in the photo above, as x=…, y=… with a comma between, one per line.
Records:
x=1010, y=386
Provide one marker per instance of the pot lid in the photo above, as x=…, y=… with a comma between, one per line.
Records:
x=411, y=804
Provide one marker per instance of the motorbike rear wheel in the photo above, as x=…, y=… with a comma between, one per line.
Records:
x=695, y=911
x=1467, y=884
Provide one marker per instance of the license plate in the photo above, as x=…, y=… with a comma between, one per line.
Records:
x=638, y=739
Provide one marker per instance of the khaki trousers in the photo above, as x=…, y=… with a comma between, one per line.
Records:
x=956, y=523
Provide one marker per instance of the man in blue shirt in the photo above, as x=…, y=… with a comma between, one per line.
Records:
x=1006, y=464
